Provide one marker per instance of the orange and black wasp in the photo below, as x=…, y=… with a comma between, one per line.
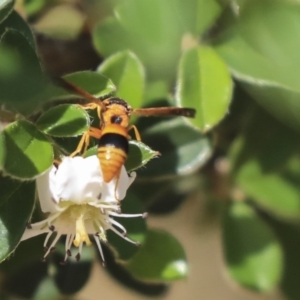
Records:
x=112, y=134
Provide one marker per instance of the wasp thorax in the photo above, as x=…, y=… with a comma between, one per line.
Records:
x=117, y=112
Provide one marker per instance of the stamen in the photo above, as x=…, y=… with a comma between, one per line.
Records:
x=77, y=257
x=71, y=238
x=28, y=225
x=100, y=249
x=52, y=227
x=124, y=237
x=67, y=246
x=117, y=224
x=144, y=215
x=47, y=239
x=53, y=244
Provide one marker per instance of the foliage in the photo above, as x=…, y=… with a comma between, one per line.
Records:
x=236, y=62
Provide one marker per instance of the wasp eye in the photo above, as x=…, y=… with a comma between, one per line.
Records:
x=116, y=119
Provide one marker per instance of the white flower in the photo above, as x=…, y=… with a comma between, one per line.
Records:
x=80, y=203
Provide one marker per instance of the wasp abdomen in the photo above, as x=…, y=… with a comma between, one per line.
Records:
x=112, y=151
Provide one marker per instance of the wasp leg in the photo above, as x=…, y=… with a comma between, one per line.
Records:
x=136, y=132
x=85, y=140
x=92, y=106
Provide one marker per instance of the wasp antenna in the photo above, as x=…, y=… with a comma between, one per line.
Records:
x=165, y=112
x=74, y=89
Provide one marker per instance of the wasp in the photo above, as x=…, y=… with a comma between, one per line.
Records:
x=112, y=134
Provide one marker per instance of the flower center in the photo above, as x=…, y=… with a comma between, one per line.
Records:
x=82, y=215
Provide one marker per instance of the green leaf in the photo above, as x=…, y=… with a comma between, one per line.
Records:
x=6, y=7
x=204, y=83
x=16, y=22
x=152, y=29
x=252, y=253
x=262, y=53
x=2, y=150
x=155, y=90
x=32, y=7
x=289, y=236
x=72, y=277
x=24, y=81
x=161, y=258
x=262, y=164
x=135, y=227
x=207, y=13
x=183, y=149
x=16, y=205
x=166, y=194
x=139, y=155
x=64, y=121
x=28, y=151
x=127, y=73
x=46, y=290
x=270, y=98
x=92, y=82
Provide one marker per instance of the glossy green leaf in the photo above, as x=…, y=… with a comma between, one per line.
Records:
x=139, y=155
x=64, y=121
x=92, y=82
x=252, y=253
x=182, y=148
x=135, y=227
x=127, y=73
x=24, y=81
x=16, y=22
x=28, y=151
x=161, y=258
x=204, y=83
x=6, y=7
x=262, y=164
x=261, y=51
x=16, y=205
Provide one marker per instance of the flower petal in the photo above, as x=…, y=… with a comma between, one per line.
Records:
x=124, y=182
x=29, y=233
x=79, y=179
x=45, y=186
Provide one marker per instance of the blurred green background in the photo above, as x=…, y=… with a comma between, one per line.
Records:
x=223, y=197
